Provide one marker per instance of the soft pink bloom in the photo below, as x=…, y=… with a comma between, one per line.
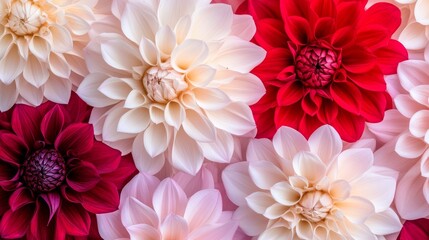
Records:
x=151, y=209
x=311, y=189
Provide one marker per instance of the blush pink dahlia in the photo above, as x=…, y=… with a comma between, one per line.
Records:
x=292, y=188
x=325, y=64
x=54, y=176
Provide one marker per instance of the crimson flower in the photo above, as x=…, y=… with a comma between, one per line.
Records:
x=325, y=64
x=415, y=229
x=54, y=176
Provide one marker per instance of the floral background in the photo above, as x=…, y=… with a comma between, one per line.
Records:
x=214, y=120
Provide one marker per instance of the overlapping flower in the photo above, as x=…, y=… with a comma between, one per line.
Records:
x=325, y=64
x=54, y=176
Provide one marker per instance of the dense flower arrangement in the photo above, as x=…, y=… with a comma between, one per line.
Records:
x=214, y=119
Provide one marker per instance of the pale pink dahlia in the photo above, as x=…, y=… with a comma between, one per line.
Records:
x=293, y=188
x=171, y=77
x=41, y=44
x=156, y=210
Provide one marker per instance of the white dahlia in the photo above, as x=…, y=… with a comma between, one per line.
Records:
x=41, y=43
x=292, y=188
x=172, y=76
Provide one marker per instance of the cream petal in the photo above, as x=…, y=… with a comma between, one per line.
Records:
x=413, y=73
x=186, y=153
x=204, y=207
x=57, y=89
x=237, y=182
x=384, y=223
x=340, y=190
x=356, y=209
x=419, y=123
x=192, y=184
x=360, y=231
x=174, y=227
x=5, y=44
x=285, y=194
x=352, y=163
x=168, y=199
x=134, y=121
x=135, y=99
x=212, y=22
x=135, y=212
x=211, y=98
x=58, y=65
x=304, y=229
x=236, y=118
x=221, y=149
x=188, y=55
x=310, y=166
x=243, y=26
x=11, y=65
x=265, y=174
x=61, y=39
x=198, y=127
x=120, y=54
x=201, y=75
x=174, y=114
x=8, y=96
x=239, y=55
x=115, y=88
x=35, y=72
x=421, y=13
x=409, y=146
x=413, y=36
x=156, y=112
x=170, y=11
x=275, y=211
x=262, y=150
x=77, y=25
x=288, y=142
x=88, y=91
x=407, y=106
x=165, y=41
x=137, y=21
x=143, y=161
x=276, y=233
x=156, y=139
x=250, y=222
x=326, y=143
x=259, y=201
x=246, y=88
x=31, y=94
x=39, y=47
x=110, y=126
x=182, y=28
x=143, y=231
x=110, y=225
x=149, y=52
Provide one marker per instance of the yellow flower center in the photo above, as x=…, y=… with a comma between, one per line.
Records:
x=25, y=17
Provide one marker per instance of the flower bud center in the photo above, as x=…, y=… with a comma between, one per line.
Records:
x=163, y=84
x=316, y=205
x=44, y=170
x=315, y=65
x=25, y=18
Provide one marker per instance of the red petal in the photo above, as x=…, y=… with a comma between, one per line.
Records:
x=324, y=27
x=52, y=124
x=290, y=93
x=357, y=59
x=328, y=111
x=83, y=177
x=69, y=194
x=123, y=173
x=348, y=13
x=349, y=126
x=15, y=224
x=389, y=57
x=276, y=60
x=8, y=174
x=74, y=219
x=311, y=103
x=19, y=198
x=385, y=15
x=40, y=227
x=347, y=96
x=308, y=125
x=103, y=157
x=267, y=101
x=324, y=8
x=372, y=80
x=12, y=148
x=295, y=8
x=343, y=37
x=53, y=201
x=76, y=139
x=260, y=9
x=95, y=201
x=373, y=106
x=4, y=201
x=298, y=29
x=270, y=34
x=373, y=37
x=265, y=124
x=26, y=123
x=80, y=111
x=415, y=229
x=288, y=116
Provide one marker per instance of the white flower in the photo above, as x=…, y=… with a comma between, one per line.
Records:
x=295, y=188
x=41, y=43
x=173, y=77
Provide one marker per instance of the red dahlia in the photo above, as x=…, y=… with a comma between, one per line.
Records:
x=325, y=64
x=54, y=177
x=415, y=229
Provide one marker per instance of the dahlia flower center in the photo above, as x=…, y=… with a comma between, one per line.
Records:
x=316, y=65
x=25, y=18
x=315, y=205
x=163, y=84
x=44, y=170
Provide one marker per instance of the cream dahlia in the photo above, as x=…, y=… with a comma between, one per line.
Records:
x=41, y=46
x=151, y=209
x=295, y=188
x=174, y=79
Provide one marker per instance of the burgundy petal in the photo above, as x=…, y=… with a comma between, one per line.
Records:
x=415, y=229
x=95, y=201
x=12, y=148
x=74, y=219
x=41, y=227
x=19, y=198
x=104, y=158
x=83, y=177
x=347, y=96
x=76, y=139
x=123, y=173
x=26, y=123
x=52, y=124
x=4, y=201
x=15, y=224
x=389, y=57
x=53, y=201
x=79, y=109
x=69, y=194
x=270, y=34
x=8, y=175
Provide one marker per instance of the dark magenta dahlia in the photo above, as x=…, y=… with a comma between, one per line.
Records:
x=54, y=176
